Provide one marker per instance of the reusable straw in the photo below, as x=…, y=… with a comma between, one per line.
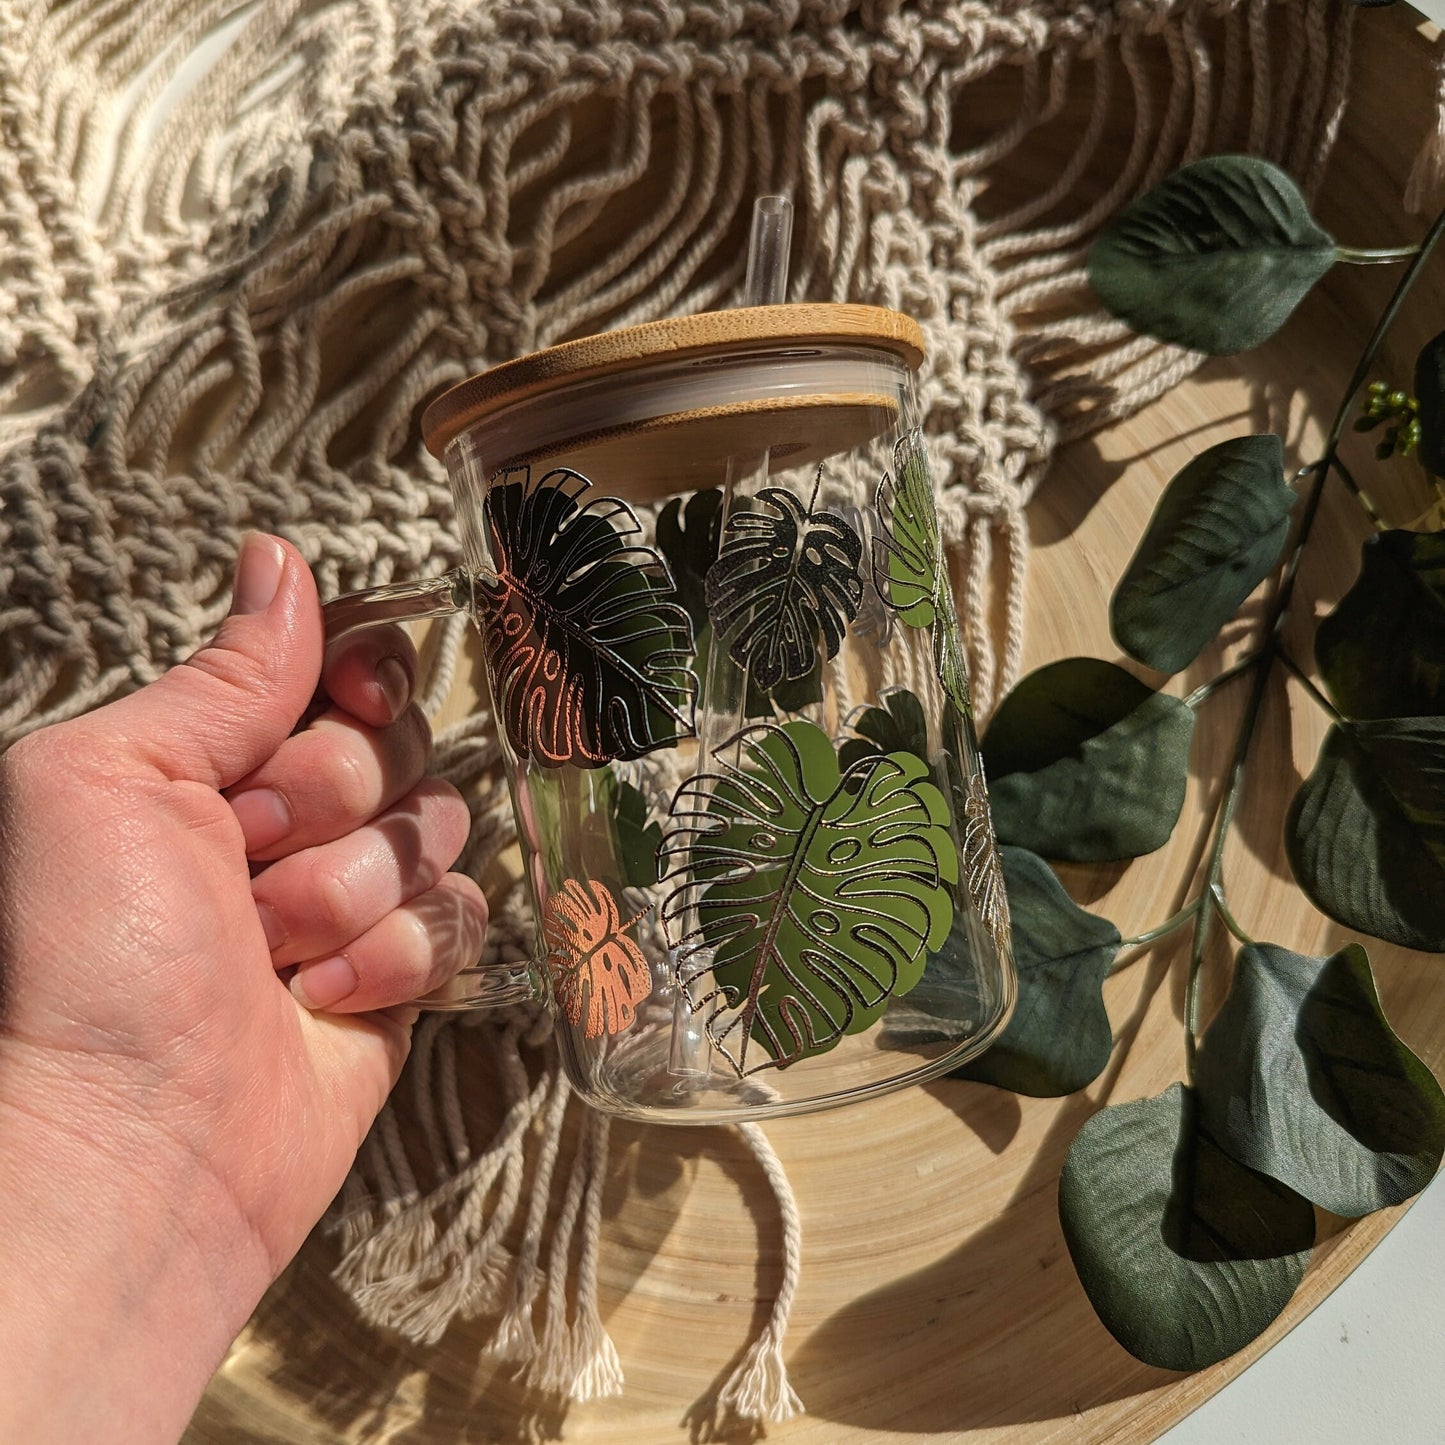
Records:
x=769, y=243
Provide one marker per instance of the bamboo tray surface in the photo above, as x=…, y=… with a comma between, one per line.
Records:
x=937, y=1297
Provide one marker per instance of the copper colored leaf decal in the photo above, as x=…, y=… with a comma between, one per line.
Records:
x=588, y=648
x=787, y=576
x=812, y=894
x=599, y=975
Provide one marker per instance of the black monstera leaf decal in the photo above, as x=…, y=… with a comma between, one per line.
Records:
x=588, y=649
x=787, y=576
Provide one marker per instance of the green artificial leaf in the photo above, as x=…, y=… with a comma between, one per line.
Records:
x=1087, y=763
x=1382, y=650
x=817, y=893
x=637, y=839
x=787, y=577
x=1215, y=257
x=1366, y=831
x=908, y=550
x=589, y=653
x=1301, y=1077
x=689, y=537
x=1058, y=1039
x=1213, y=538
x=1430, y=398
x=1185, y=1254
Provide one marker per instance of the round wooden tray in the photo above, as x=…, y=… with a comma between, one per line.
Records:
x=938, y=1299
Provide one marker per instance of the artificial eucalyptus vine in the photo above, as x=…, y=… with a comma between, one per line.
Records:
x=1189, y=1215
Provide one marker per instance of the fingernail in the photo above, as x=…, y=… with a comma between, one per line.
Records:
x=258, y=574
x=319, y=985
x=271, y=925
x=264, y=815
x=395, y=684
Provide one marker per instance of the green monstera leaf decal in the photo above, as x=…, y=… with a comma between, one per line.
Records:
x=908, y=556
x=813, y=894
x=899, y=725
x=589, y=653
x=787, y=576
x=909, y=569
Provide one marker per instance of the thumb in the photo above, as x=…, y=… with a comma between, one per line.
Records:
x=225, y=710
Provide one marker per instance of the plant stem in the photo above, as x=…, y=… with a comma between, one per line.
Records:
x=1377, y=337
x=1361, y=496
x=1230, y=921
x=1205, y=689
x=1309, y=686
x=1162, y=930
x=1223, y=817
x=1374, y=255
x=1211, y=893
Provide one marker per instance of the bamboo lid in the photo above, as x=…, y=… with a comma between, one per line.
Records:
x=712, y=333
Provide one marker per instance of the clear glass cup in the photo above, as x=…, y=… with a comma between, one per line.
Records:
x=704, y=563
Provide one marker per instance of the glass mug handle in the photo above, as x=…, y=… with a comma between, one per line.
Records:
x=479, y=985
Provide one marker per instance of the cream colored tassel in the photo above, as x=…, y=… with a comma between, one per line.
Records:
x=759, y=1389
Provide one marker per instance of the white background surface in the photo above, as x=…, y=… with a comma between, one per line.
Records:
x=1367, y=1367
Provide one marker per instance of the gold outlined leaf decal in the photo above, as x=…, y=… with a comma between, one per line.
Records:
x=982, y=871
x=813, y=894
x=910, y=572
x=786, y=576
x=589, y=651
x=597, y=971
x=908, y=556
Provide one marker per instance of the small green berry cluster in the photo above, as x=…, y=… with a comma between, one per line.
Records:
x=1395, y=410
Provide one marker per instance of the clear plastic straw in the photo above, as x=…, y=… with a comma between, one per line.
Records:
x=769, y=244
x=768, y=249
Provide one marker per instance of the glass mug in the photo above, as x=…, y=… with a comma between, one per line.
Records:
x=704, y=562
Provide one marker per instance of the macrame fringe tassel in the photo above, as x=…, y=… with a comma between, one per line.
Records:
x=417, y=1261
x=577, y=1359
x=759, y=1389
x=406, y=1270
x=414, y=1261
x=515, y=1338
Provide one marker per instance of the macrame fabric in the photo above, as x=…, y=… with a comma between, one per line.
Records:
x=244, y=241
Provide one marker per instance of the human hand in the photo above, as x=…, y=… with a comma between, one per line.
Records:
x=173, y=1116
